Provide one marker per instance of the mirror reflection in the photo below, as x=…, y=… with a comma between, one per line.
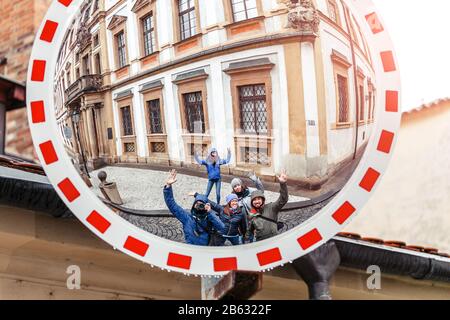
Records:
x=217, y=122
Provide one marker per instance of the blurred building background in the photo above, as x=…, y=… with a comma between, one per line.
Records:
x=412, y=202
x=20, y=20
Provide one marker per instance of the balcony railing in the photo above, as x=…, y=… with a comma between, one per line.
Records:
x=85, y=84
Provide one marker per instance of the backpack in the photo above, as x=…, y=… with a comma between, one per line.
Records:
x=209, y=230
x=280, y=225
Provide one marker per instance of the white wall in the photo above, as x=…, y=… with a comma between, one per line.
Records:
x=341, y=142
x=218, y=101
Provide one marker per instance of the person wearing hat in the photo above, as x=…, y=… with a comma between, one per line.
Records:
x=200, y=223
x=263, y=217
x=243, y=192
x=233, y=218
x=213, y=163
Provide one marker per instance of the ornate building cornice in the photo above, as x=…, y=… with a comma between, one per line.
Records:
x=303, y=16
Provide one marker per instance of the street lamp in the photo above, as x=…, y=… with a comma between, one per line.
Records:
x=76, y=120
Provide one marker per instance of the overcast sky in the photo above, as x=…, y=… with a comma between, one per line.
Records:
x=420, y=31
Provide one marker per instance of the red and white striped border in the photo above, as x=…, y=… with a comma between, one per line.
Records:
x=185, y=258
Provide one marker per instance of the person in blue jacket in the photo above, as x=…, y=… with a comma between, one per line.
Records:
x=234, y=220
x=200, y=223
x=213, y=163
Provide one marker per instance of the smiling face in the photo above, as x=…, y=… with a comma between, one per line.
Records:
x=257, y=202
x=234, y=204
x=237, y=188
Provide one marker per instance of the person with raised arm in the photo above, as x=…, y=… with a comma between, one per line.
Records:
x=213, y=163
x=200, y=223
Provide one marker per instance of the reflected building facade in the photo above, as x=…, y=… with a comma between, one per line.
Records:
x=283, y=83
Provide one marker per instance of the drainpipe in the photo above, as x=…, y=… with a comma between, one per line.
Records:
x=317, y=268
x=355, y=76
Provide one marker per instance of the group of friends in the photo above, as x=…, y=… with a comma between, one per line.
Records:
x=245, y=217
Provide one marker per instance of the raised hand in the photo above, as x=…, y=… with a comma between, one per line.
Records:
x=192, y=194
x=208, y=207
x=252, y=175
x=172, y=178
x=282, y=178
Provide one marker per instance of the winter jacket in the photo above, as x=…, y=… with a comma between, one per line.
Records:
x=259, y=227
x=235, y=223
x=244, y=195
x=213, y=168
x=196, y=230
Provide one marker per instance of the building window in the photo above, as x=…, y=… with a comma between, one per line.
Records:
x=77, y=73
x=129, y=147
x=343, y=114
x=187, y=18
x=154, y=112
x=127, y=124
x=244, y=9
x=121, y=55
x=253, y=155
x=253, y=109
x=86, y=67
x=193, y=106
x=95, y=8
x=361, y=103
x=149, y=34
x=200, y=149
x=98, y=66
x=158, y=147
x=68, y=79
x=96, y=40
x=333, y=12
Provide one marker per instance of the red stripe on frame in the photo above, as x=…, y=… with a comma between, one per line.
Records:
x=369, y=180
x=386, y=140
x=49, y=31
x=309, y=239
x=387, y=57
x=69, y=190
x=269, y=256
x=179, y=261
x=38, y=70
x=392, y=101
x=37, y=112
x=374, y=23
x=136, y=246
x=48, y=152
x=98, y=222
x=65, y=2
x=225, y=264
x=343, y=213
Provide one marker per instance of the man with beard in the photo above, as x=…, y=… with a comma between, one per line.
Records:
x=262, y=217
x=200, y=223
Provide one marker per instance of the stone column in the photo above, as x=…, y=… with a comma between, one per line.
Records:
x=74, y=139
x=84, y=134
x=92, y=135
x=99, y=127
x=310, y=100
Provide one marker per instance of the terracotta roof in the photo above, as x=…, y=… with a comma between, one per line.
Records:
x=427, y=106
x=394, y=244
